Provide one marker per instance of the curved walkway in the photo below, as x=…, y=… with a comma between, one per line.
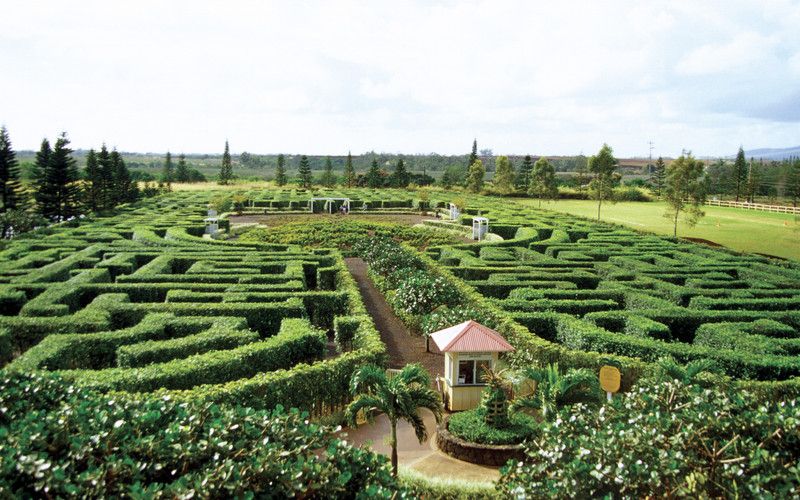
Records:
x=404, y=348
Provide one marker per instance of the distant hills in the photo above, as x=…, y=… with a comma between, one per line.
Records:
x=772, y=153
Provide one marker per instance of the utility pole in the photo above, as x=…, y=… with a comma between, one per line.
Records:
x=650, y=158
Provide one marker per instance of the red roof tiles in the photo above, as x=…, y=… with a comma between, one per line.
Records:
x=470, y=336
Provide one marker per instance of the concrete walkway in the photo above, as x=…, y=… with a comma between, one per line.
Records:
x=425, y=457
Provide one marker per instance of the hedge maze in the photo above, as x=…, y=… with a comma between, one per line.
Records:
x=140, y=302
x=583, y=287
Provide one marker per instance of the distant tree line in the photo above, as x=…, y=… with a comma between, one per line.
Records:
x=58, y=191
x=745, y=180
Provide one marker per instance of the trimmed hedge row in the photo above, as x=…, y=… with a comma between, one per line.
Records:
x=161, y=351
x=580, y=335
x=296, y=342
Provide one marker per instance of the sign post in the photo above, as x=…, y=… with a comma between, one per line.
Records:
x=610, y=379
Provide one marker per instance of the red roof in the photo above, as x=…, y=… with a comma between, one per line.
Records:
x=470, y=336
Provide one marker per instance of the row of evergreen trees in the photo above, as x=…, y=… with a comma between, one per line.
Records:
x=57, y=191
x=373, y=178
x=744, y=180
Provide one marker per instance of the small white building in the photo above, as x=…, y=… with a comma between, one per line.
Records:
x=468, y=348
x=480, y=226
x=454, y=212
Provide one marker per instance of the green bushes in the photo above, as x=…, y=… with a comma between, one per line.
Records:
x=342, y=232
x=471, y=426
x=580, y=335
x=345, y=328
x=656, y=439
x=415, y=290
x=161, y=351
x=296, y=342
x=6, y=346
x=60, y=440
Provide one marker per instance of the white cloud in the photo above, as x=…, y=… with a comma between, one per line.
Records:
x=738, y=54
x=413, y=76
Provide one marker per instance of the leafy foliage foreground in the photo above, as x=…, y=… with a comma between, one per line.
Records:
x=57, y=440
x=665, y=438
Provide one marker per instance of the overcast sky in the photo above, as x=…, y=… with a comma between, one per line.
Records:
x=413, y=77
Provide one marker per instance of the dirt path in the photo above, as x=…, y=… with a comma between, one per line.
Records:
x=403, y=346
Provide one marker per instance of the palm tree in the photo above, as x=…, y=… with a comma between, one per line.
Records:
x=688, y=374
x=399, y=398
x=495, y=398
x=555, y=389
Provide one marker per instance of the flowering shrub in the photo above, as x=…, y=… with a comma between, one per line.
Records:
x=385, y=257
x=419, y=293
x=665, y=439
x=445, y=317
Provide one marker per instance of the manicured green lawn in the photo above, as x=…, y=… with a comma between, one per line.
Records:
x=741, y=230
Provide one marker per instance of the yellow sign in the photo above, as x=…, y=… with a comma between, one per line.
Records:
x=610, y=378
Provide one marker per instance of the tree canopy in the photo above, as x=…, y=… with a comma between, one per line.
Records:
x=685, y=191
x=603, y=167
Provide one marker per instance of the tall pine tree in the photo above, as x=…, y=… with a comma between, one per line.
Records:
x=10, y=189
x=59, y=190
x=658, y=178
x=473, y=156
x=226, y=170
x=328, y=178
x=793, y=181
x=374, y=179
x=168, y=174
x=739, y=172
x=280, y=172
x=524, y=174
x=182, y=170
x=753, y=181
x=40, y=166
x=304, y=172
x=400, y=176
x=125, y=190
x=349, y=171
x=94, y=190
x=106, y=171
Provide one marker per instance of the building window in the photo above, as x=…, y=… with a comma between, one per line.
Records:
x=470, y=371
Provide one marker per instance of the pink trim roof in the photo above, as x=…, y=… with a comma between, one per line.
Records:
x=470, y=336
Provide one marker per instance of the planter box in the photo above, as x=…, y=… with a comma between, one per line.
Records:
x=493, y=455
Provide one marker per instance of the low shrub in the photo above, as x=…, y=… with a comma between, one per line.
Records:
x=471, y=426
x=60, y=440
x=665, y=439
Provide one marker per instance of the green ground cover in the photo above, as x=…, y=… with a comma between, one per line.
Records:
x=142, y=304
x=738, y=229
x=342, y=231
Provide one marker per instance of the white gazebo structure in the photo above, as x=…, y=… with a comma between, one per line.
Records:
x=468, y=348
x=329, y=203
x=212, y=223
x=454, y=212
x=480, y=226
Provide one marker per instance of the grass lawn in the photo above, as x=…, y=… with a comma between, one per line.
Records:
x=735, y=228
